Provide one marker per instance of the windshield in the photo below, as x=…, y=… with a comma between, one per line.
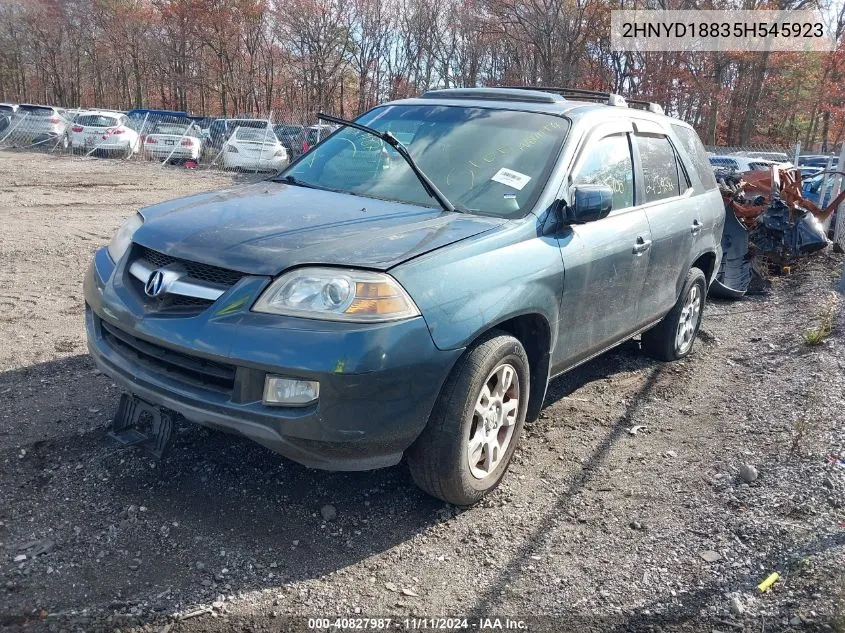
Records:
x=486, y=161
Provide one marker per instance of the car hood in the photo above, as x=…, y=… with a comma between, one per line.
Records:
x=264, y=228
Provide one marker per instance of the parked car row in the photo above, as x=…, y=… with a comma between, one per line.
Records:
x=817, y=182
x=161, y=135
x=738, y=163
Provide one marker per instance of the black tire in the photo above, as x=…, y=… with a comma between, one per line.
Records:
x=661, y=342
x=438, y=459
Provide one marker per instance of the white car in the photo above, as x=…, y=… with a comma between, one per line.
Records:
x=103, y=131
x=175, y=141
x=740, y=163
x=254, y=149
x=775, y=157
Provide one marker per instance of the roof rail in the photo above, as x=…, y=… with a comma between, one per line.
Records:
x=609, y=98
x=595, y=95
x=656, y=108
x=496, y=93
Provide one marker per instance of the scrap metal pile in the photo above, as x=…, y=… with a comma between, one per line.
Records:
x=768, y=224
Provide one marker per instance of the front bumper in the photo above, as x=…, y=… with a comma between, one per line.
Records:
x=378, y=383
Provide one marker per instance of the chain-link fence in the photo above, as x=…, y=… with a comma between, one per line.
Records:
x=740, y=156
x=269, y=143
x=243, y=143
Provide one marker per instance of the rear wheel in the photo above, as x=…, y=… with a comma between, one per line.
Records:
x=472, y=433
x=673, y=336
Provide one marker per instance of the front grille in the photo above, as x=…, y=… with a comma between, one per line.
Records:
x=192, y=370
x=181, y=301
x=202, y=272
x=180, y=305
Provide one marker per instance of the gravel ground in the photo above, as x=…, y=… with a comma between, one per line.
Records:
x=627, y=507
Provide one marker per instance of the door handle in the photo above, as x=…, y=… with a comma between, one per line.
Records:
x=641, y=245
x=696, y=227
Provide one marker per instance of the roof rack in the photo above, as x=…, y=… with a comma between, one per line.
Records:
x=496, y=93
x=610, y=98
x=656, y=108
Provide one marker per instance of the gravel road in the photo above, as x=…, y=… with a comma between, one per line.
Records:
x=647, y=497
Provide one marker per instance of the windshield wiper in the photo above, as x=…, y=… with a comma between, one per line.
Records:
x=430, y=188
x=293, y=180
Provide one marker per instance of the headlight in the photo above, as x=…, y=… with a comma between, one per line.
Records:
x=123, y=238
x=337, y=295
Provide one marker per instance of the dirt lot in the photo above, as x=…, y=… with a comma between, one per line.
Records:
x=594, y=529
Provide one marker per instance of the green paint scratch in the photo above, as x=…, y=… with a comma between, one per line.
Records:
x=232, y=307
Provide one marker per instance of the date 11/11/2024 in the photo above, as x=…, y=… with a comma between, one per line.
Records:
x=419, y=624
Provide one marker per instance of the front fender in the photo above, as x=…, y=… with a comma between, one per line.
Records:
x=468, y=287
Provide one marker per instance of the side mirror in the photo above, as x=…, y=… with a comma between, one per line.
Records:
x=590, y=202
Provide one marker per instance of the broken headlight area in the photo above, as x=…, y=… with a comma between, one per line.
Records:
x=769, y=225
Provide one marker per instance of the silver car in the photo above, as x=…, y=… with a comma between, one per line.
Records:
x=40, y=125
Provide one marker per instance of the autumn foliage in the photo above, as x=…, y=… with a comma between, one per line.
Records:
x=292, y=58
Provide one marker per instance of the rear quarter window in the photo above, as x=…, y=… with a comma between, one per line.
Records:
x=695, y=152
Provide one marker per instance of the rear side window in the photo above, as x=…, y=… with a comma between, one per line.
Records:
x=608, y=162
x=659, y=166
x=695, y=150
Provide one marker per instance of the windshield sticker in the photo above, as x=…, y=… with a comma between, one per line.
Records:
x=512, y=179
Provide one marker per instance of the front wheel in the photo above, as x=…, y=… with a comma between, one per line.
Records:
x=472, y=433
x=672, y=338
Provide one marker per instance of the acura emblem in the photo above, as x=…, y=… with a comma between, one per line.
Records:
x=155, y=284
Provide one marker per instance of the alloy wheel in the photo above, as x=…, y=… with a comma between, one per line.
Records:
x=689, y=320
x=493, y=420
